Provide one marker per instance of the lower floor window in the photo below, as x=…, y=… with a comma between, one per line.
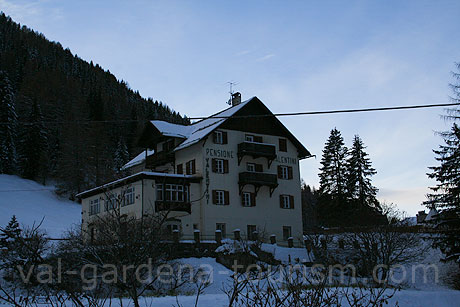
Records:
x=111, y=202
x=172, y=192
x=222, y=228
x=252, y=232
x=128, y=197
x=172, y=227
x=287, y=232
x=94, y=206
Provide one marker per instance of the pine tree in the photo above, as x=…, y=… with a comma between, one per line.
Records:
x=446, y=194
x=33, y=143
x=10, y=233
x=447, y=191
x=121, y=157
x=359, y=172
x=333, y=170
x=8, y=126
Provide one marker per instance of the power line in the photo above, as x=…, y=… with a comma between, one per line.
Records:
x=394, y=108
x=338, y=111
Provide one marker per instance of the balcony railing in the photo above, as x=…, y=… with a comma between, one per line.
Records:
x=161, y=205
x=159, y=158
x=259, y=179
x=257, y=150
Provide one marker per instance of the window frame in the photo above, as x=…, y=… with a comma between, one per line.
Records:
x=249, y=138
x=190, y=167
x=223, y=229
x=286, y=201
x=248, y=164
x=129, y=196
x=220, y=197
x=289, y=230
x=282, y=144
x=171, y=192
x=218, y=137
x=110, y=202
x=246, y=199
x=94, y=206
x=220, y=167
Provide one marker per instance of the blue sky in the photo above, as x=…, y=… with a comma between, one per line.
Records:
x=293, y=55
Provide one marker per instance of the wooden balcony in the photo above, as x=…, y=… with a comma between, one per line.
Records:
x=258, y=180
x=161, y=205
x=159, y=158
x=257, y=150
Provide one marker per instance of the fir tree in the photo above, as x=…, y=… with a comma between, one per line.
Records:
x=121, y=157
x=446, y=194
x=359, y=172
x=10, y=233
x=447, y=191
x=33, y=143
x=333, y=170
x=8, y=126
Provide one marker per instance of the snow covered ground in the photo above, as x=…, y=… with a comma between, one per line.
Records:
x=405, y=298
x=31, y=202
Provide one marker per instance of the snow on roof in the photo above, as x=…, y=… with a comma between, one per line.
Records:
x=138, y=159
x=124, y=179
x=173, y=130
x=192, y=133
x=203, y=127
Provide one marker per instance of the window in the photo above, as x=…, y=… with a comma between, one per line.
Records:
x=248, y=199
x=287, y=232
x=253, y=138
x=111, y=202
x=249, y=138
x=220, y=137
x=180, y=169
x=286, y=201
x=170, y=228
x=129, y=197
x=94, y=206
x=252, y=232
x=220, y=197
x=283, y=145
x=251, y=167
x=195, y=227
x=172, y=192
x=190, y=167
x=222, y=228
x=168, y=145
x=220, y=166
x=284, y=172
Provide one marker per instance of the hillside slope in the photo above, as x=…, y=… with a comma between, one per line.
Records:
x=32, y=202
x=69, y=120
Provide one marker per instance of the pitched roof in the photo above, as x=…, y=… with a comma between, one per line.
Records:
x=138, y=159
x=202, y=128
x=164, y=177
x=192, y=134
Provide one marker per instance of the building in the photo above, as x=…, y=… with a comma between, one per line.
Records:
x=229, y=171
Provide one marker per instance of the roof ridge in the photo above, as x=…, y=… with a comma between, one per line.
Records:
x=215, y=114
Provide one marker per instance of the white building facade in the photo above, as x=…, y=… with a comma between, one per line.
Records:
x=235, y=170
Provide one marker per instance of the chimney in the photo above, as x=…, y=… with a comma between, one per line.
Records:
x=236, y=99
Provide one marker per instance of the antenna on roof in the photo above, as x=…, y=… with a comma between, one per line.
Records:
x=231, y=84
